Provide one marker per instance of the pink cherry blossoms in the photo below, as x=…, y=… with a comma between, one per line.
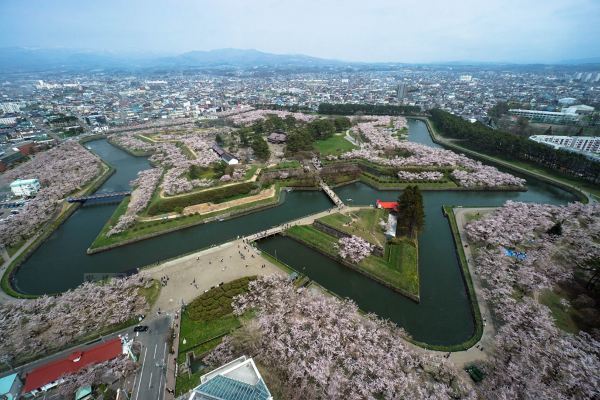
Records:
x=425, y=176
x=61, y=171
x=321, y=347
x=47, y=323
x=533, y=358
x=250, y=117
x=354, y=248
x=467, y=172
x=144, y=184
x=131, y=141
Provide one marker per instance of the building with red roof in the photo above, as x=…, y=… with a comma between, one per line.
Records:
x=387, y=205
x=49, y=375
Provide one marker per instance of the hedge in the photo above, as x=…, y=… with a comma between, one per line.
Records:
x=170, y=204
x=216, y=302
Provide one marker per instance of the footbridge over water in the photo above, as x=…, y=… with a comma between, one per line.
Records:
x=331, y=194
x=98, y=198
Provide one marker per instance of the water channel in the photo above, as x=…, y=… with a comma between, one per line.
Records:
x=442, y=317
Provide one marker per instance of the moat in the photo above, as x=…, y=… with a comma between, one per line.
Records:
x=443, y=315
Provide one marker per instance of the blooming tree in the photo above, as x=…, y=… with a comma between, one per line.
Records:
x=354, y=248
x=145, y=184
x=61, y=171
x=321, y=347
x=47, y=323
x=532, y=357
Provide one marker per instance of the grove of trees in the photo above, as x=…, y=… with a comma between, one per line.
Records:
x=371, y=109
x=487, y=140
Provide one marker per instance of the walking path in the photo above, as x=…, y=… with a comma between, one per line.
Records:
x=486, y=342
x=329, y=192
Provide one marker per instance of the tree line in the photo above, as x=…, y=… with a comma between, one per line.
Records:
x=366, y=109
x=477, y=136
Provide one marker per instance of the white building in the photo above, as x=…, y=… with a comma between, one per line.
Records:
x=25, y=187
x=236, y=380
x=10, y=107
x=566, y=114
x=553, y=117
x=588, y=144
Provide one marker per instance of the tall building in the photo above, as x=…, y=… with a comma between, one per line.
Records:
x=401, y=91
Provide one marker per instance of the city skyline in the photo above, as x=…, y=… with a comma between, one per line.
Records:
x=381, y=31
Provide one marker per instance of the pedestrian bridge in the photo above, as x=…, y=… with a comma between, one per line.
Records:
x=97, y=198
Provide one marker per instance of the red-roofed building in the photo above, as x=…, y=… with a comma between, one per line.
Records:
x=387, y=205
x=50, y=375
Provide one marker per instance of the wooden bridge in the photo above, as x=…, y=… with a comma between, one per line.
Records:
x=100, y=197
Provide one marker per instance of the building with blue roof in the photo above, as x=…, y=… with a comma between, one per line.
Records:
x=236, y=380
x=10, y=387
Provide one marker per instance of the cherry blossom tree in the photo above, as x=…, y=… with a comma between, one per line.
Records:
x=321, y=347
x=145, y=185
x=354, y=248
x=47, y=323
x=61, y=171
x=532, y=357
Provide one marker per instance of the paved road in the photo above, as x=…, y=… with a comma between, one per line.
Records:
x=149, y=381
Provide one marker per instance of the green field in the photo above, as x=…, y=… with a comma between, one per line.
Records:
x=335, y=145
x=399, y=267
x=363, y=223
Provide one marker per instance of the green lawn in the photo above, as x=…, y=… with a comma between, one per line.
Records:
x=335, y=145
x=399, y=267
x=564, y=317
x=379, y=183
x=363, y=223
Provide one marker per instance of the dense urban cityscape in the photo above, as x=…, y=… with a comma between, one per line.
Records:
x=236, y=224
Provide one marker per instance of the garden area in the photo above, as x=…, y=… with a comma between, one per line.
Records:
x=204, y=322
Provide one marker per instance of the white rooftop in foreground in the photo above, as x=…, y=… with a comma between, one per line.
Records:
x=236, y=380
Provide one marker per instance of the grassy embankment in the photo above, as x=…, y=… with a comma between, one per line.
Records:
x=398, y=268
x=204, y=323
x=46, y=230
x=145, y=229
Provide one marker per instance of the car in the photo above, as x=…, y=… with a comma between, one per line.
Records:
x=140, y=328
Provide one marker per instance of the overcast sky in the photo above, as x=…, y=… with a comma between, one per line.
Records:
x=354, y=30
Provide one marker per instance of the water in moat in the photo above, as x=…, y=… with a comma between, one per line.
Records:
x=442, y=317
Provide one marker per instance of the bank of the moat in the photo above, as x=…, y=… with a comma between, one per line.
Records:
x=442, y=317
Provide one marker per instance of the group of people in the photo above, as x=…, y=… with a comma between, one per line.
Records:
x=164, y=280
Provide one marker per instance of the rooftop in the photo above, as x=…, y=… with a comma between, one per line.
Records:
x=236, y=380
x=72, y=363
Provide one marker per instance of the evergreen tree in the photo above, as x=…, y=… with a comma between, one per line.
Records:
x=411, y=213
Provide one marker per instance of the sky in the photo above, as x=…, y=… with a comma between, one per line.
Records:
x=520, y=31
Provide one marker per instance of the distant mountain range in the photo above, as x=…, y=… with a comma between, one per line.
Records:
x=29, y=59
x=15, y=59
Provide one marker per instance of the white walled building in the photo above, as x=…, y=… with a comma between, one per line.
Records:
x=25, y=187
x=590, y=144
